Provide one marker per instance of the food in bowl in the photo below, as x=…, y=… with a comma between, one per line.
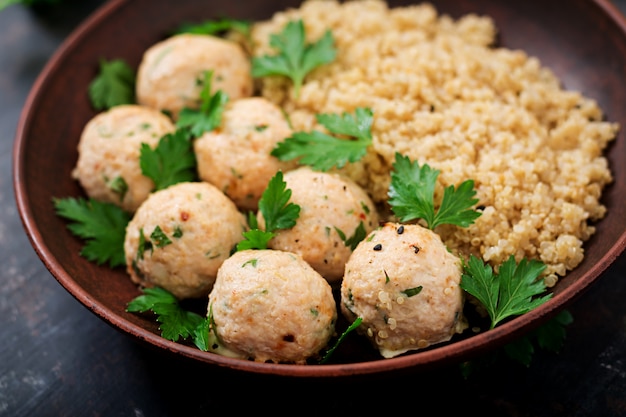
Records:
x=169, y=76
x=383, y=278
x=271, y=305
x=442, y=94
x=108, y=154
x=180, y=236
x=335, y=214
x=236, y=158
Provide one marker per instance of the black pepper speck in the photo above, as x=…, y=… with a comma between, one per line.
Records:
x=378, y=247
x=400, y=229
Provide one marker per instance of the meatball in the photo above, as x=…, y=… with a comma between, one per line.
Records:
x=404, y=283
x=171, y=73
x=269, y=305
x=334, y=210
x=108, y=154
x=236, y=158
x=179, y=237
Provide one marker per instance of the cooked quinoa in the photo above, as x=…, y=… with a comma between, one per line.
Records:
x=444, y=95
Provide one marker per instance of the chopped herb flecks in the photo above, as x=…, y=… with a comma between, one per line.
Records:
x=119, y=186
x=252, y=262
x=159, y=238
x=412, y=291
x=353, y=241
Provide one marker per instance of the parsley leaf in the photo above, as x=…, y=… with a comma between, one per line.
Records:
x=295, y=58
x=274, y=204
x=255, y=239
x=277, y=212
x=119, y=186
x=176, y=323
x=359, y=234
x=209, y=115
x=159, y=237
x=6, y=3
x=322, y=151
x=113, y=86
x=358, y=125
x=172, y=161
x=215, y=27
x=356, y=323
x=410, y=292
x=102, y=226
x=508, y=293
x=411, y=196
x=549, y=336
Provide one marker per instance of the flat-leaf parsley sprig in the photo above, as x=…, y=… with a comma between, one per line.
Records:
x=549, y=336
x=296, y=58
x=216, y=27
x=411, y=196
x=101, y=225
x=278, y=213
x=176, y=322
x=209, y=115
x=171, y=161
x=355, y=324
x=114, y=85
x=31, y=3
x=512, y=291
x=322, y=151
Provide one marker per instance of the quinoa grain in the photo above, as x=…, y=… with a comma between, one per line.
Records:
x=443, y=94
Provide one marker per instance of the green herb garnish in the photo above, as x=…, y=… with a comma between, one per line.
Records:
x=102, y=226
x=274, y=204
x=322, y=151
x=176, y=323
x=114, y=85
x=410, y=292
x=159, y=237
x=359, y=234
x=119, y=186
x=277, y=212
x=411, y=196
x=508, y=293
x=549, y=336
x=209, y=115
x=295, y=58
x=356, y=323
x=252, y=262
x=6, y=3
x=144, y=245
x=215, y=27
x=172, y=161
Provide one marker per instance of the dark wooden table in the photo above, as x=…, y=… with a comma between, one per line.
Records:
x=58, y=359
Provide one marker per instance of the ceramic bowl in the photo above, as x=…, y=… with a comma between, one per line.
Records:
x=583, y=42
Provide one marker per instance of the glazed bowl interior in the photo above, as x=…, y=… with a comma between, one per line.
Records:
x=583, y=42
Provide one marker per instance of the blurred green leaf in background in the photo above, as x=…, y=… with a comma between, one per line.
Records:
x=6, y=3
